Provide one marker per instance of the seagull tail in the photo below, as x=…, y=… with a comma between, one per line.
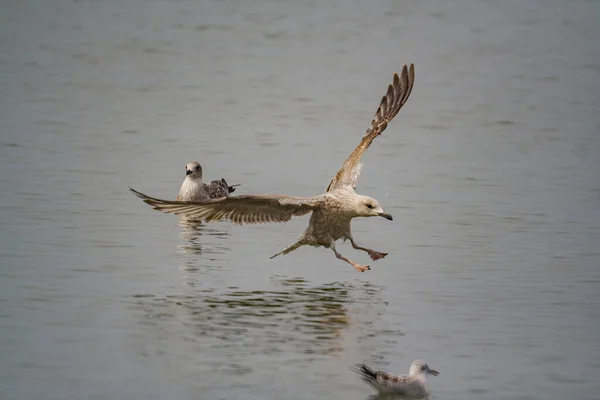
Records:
x=288, y=249
x=365, y=371
x=230, y=189
x=367, y=374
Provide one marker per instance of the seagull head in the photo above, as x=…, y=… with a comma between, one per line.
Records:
x=370, y=207
x=420, y=367
x=193, y=170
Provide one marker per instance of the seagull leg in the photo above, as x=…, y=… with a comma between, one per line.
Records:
x=359, y=268
x=375, y=255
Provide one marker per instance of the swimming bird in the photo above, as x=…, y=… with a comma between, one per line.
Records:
x=193, y=189
x=331, y=211
x=411, y=385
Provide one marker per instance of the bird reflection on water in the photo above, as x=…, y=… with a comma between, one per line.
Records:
x=196, y=234
x=295, y=317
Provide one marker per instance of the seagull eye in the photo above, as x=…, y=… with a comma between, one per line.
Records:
x=369, y=205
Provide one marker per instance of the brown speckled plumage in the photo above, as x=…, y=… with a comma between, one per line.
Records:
x=332, y=211
x=410, y=386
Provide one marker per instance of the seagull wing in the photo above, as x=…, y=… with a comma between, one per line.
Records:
x=404, y=385
x=388, y=383
x=247, y=209
x=397, y=94
x=218, y=189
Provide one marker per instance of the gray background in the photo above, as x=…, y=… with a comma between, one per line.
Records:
x=491, y=172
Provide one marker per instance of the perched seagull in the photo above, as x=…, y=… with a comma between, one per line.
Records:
x=332, y=211
x=411, y=385
x=193, y=189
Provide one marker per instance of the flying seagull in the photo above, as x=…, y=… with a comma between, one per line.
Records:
x=193, y=189
x=332, y=211
x=411, y=385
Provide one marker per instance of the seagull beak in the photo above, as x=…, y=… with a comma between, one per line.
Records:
x=386, y=216
x=187, y=171
x=433, y=372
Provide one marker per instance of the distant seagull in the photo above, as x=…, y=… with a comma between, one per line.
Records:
x=193, y=189
x=411, y=385
x=332, y=211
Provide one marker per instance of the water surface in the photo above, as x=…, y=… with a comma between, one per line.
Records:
x=491, y=172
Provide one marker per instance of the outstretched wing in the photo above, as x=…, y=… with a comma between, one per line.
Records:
x=248, y=209
x=397, y=94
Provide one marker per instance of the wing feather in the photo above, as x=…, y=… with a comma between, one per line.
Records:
x=217, y=189
x=397, y=94
x=247, y=209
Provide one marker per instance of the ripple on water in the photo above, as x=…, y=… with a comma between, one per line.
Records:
x=308, y=319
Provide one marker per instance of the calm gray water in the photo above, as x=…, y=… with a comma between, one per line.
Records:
x=491, y=171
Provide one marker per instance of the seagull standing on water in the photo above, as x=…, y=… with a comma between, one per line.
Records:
x=193, y=189
x=411, y=385
x=332, y=211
